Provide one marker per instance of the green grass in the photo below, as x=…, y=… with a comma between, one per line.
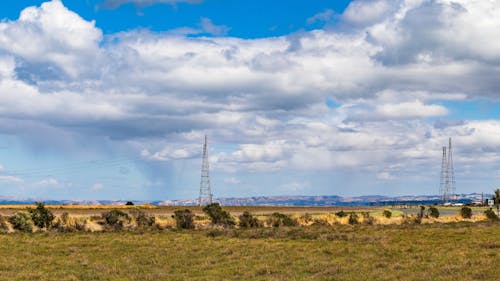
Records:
x=455, y=251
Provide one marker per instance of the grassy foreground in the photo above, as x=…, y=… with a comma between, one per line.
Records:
x=454, y=251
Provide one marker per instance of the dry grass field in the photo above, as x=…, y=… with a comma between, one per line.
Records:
x=456, y=251
x=322, y=247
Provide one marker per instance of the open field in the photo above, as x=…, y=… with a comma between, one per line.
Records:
x=90, y=210
x=456, y=251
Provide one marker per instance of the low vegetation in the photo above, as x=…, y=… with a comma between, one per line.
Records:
x=338, y=252
x=184, y=219
x=218, y=216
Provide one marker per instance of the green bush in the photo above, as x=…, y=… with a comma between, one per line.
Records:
x=218, y=216
x=22, y=221
x=466, y=212
x=184, y=219
x=341, y=214
x=4, y=228
x=278, y=219
x=490, y=214
x=143, y=220
x=115, y=218
x=433, y=212
x=246, y=220
x=353, y=218
x=387, y=214
x=41, y=216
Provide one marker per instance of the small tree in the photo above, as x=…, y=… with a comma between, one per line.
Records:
x=466, y=212
x=387, y=214
x=217, y=215
x=21, y=221
x=433, y=212
x=246, y=220
x=184, y=219
x=41, y=216
x=353, y=218
x=496, y=199
x=490, y=214
x=129, y=203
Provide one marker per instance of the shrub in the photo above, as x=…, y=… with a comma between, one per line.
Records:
x=218, y=216
x=129, y=203
x=387, y=214
x=367, y=219
x=143, y=220
x=115, y=218
x=490, y=214
x=466, y=212
x=278, y=219
x=65, y=218
x=183, y=219
x=422, y=211
x=433, y=212
x=246, y=220
x=307, y=218
x=341, y=214
x=41, y=216
x=4, y=228
x=353, y=218
x=21, y=221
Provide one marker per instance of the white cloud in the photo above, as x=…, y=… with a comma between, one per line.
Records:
x=364, y=12
x=97, y=186
x=324, y=16
x=232, y=180
x=112, y=4
x=47, y=182
x=52, y=34
x=11, y=179
x=160, y=92
x=384, y=176
x=209, y=27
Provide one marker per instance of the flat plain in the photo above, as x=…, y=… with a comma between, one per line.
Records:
x=432, y=251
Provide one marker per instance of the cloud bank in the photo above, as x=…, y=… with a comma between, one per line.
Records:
x=389, y=67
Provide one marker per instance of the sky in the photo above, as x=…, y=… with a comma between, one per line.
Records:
x=111, y=99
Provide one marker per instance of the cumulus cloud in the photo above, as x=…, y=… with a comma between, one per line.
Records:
x=52, y=37
x=265, y=98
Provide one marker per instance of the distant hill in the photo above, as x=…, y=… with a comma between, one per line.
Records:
x=322, y=200
x=327, y=200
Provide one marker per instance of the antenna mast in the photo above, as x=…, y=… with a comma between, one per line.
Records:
x=444, y=172
x=205, y=192
x=451, y=172
x=447, y=183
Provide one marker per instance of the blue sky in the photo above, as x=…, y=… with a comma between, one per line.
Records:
x=111, y=99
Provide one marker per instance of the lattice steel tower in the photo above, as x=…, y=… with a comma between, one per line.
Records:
x=205, y=192
x=447, y=184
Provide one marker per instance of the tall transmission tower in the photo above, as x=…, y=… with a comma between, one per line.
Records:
x=447, y=182
x=205, y=192
x=444, y=172
x=451, y=172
